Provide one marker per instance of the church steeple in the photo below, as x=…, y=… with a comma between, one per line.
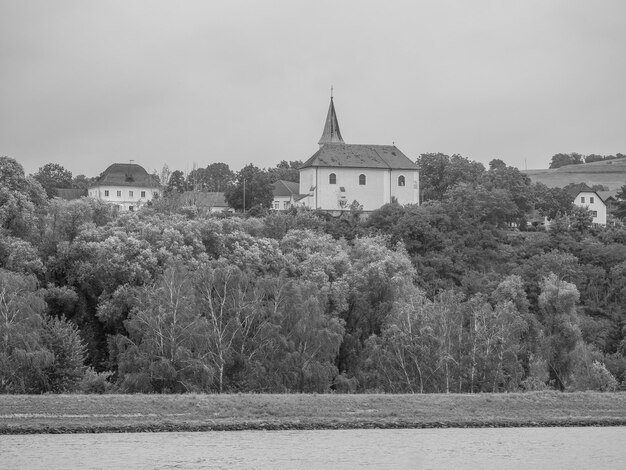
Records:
x=331, y=134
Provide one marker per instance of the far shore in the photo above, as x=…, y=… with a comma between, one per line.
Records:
x=54, y=414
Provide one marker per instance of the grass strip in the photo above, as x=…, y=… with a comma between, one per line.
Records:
x=21, y=414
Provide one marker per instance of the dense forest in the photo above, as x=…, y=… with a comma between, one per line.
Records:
x=466, y=292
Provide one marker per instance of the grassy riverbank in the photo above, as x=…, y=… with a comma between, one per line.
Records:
x=21, y=414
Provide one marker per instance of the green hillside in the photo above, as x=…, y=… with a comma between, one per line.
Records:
x=609, y=173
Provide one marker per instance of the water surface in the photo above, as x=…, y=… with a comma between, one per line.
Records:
x=509, y=448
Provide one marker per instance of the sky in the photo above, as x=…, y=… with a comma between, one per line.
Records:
x=88, y=83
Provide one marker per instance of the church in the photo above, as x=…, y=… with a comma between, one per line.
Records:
x=339, y=174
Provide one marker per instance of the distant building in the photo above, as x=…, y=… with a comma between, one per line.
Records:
x=372, y=175
x=69, y=194
x=205, y=202
x=591, y=200
x=286, y=195
x=611, y=200
x=126, y=185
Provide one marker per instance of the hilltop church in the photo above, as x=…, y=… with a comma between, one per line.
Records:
x=372, y=175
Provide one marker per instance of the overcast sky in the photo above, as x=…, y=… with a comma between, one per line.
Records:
x=90, y=83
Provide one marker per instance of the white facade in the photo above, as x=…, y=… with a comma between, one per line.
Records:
x=593, y=202
x=370, y=187
x=128, y=198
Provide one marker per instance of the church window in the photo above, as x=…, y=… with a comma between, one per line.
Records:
x=401, y=180
x=332, y=178
x=106, y=193
x=362, y=180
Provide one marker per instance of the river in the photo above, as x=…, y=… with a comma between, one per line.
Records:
x=509, y=448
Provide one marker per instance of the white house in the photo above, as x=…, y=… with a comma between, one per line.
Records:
x=286, y=195
x=126, y=185
x=372, y=175
x=591, y=200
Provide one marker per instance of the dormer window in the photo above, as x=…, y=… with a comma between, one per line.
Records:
x=401, y=180
x=362, y=180
x=332, y=178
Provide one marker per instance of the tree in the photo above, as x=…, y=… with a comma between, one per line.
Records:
x=258, y=189
x=218, y=177
x=22, y=199
x=440, y=172
x=562, y=159
x=165, y=350
x=558, y=301
x=176, y=182
x=52, y=176
x=286, y=171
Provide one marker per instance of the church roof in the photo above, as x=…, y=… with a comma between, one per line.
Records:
x=126, y=174
x=360, y=156
x=331, y=133
x=285, y=188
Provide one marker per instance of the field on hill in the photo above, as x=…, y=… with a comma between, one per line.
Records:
x=609, y=173
x=20, y=414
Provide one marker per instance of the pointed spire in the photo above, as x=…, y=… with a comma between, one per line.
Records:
x=331, y=133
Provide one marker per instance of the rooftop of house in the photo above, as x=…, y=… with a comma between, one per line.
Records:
x=203, y=199
x=126, y=174
x=360, y=156
x=282, y=188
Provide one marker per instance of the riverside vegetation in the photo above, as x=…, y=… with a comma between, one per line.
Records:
x=441, y=297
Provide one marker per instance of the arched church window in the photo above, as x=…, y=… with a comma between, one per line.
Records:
x=362, y=180
x=401, y=180
x=332, y=178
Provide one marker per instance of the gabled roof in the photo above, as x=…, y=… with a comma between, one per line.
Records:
x=575, y=190
x=126, y=174
x=331, y=133
x=283, y=188
x=360, y=156
x=69, y=194
x=203, y=199
x=606, y=195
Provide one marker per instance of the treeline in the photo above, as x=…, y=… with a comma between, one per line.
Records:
x=454, y=295
x=561, y=159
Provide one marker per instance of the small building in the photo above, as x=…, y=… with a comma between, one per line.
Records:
x=286, y=195
x=205, y=202
x=339, y=174
x=611, y=200
x=591, y=200
x=127, y=185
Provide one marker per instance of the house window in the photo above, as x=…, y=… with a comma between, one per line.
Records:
x=131, y=208
x=332, y=178
x=401, y=180
x=130, y=194
x=594, y=213
x=276, y=205
x=362, y=180
x=106, y=193
x=155, y=193
x=119, y=194
x=582, y=199
x=143, y=194
x=591, y=200
x=286, y=205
